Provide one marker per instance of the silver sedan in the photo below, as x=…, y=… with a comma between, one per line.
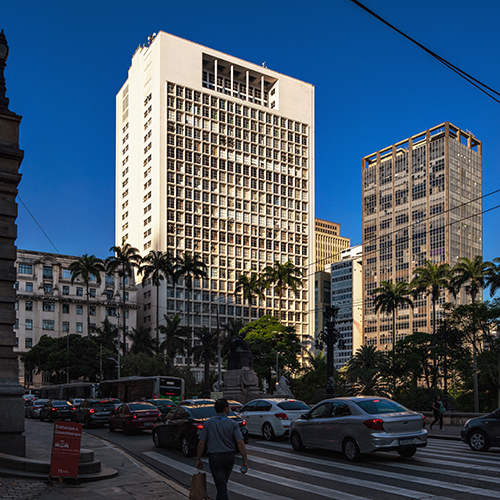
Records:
x=357, y=425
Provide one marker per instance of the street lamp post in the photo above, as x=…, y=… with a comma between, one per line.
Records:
x=328, y=338
x=118, y=339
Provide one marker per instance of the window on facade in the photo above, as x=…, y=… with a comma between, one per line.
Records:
x=79, y=309
x=47, y=289
x=47, y=272
x=92, y=292
x=25, y=269
x=66, y=273
x=48, y=324
x=65, y=308
x=28, y=342
x=79, y=327
x=48, y=306
x=28, y=324
x=29, y=287
x=65, y=290
x=65, y=326
x=29, y=305
x=92, y=310
x=79, y=291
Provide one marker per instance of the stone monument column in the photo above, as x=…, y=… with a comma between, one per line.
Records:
x=12, y=440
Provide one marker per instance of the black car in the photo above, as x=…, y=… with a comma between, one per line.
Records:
x=56, y=410
x=164, y=405
x=94, y=412
x=482, y=432
x=181, y=427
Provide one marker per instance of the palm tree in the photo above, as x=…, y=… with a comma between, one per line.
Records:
x=106, y=335
x=88, y=268
x=250, y=287
x=493, y=276
x=365, y=369
x=141, y=341
x=156, y=265
x=190, y=267
x=124, y=261
x=473, y=272
x=431, y=279
x=390, y=297
x=176, y=340
x=281, y=276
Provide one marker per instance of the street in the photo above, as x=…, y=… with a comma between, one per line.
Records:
x=445, y=469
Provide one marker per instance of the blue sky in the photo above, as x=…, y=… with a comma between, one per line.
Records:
x=373, y=88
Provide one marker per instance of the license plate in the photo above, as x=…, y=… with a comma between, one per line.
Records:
x=404, y=442
x=148, y=424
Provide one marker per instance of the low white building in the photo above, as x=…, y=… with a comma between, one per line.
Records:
x=48, y=304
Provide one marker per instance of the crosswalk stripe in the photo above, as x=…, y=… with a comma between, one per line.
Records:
x=375, y=472
x=234, y=487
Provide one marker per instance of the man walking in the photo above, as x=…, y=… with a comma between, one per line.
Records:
x=220, y=434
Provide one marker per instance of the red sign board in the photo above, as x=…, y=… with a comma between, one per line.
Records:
x=65, y=449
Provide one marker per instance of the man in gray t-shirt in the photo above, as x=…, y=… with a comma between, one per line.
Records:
x=220, y=434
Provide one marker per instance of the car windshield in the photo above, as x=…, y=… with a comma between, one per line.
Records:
x=377, y=406
x=61, y=403
x=141, y=406
x=163, y=402
x=293, y=405
x=41, y=402
x=103, y=404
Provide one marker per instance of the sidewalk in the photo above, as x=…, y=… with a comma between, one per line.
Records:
x=134, y=481
x=450, y=432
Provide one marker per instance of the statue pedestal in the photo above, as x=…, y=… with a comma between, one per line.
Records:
x=241, y=384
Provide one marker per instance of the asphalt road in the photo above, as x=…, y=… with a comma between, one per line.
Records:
x=444, y=470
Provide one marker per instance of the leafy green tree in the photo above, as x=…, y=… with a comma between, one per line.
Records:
x=389, y=298
x=143, y=365
x=88, y=268
x=493, y=276
x=141, y=341
x=268, y=339
x=125, y=260
x=250, y=287
x=280, y=277
x=191, y=266
x=309, y=386
x=198, y=352
x=107, y=335
x=176, y=338
x=365, y=370
x=157, y=266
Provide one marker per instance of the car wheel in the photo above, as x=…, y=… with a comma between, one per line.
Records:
x=350, y=449
x=407, y=452
x=111, y=427
x=156, y=440
x=296, y=441
x=267, y=432
x=478, y=441
x=185, y=448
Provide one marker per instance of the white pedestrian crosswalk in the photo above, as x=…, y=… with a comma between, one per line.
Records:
x=446, y=470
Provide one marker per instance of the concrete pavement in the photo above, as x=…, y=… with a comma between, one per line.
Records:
x=134, y=481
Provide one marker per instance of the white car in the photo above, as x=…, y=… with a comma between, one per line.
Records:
x=271, y=418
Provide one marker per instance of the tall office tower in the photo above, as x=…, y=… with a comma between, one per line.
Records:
x=347, y=295
x=421, y=201
x=215, y=156
x=329, y=243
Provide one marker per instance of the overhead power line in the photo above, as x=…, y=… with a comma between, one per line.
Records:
x=473, y=81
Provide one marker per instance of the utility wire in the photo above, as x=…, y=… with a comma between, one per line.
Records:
x=474, y=81
x=36, y=222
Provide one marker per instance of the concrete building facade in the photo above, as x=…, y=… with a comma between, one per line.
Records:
x=329, y=243
x=48, y=304
x=215, y=156
x=347, y=295
x=421, y=201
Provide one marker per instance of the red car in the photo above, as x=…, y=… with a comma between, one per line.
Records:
x=133, y=417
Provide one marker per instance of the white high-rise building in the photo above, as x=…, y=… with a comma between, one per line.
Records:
x=215, y=156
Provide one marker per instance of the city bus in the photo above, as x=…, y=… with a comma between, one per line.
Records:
x=141, y=388
x=66, y=392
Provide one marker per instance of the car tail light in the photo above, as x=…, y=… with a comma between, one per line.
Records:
x=198, y=426
x=54, y=409
x=243, y=422
x=423, y=421
x=281, y=416
x=375, y=424
x=134, y=416
x=92, y=410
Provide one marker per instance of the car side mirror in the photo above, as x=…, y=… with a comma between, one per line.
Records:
x=305, y=416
